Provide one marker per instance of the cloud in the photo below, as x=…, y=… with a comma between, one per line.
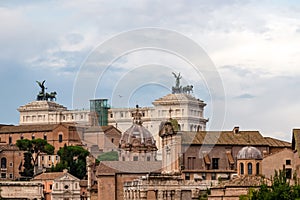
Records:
x=245, y=96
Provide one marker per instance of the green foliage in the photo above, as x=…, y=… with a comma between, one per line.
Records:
x=279, y=190
x=109, y=156
x=28, y=167
x=72, y=158
x=33, y=148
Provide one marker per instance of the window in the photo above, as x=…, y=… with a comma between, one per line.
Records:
x=122, y=115
x=288, y=173
x=187, y=176
x=42, y=157
x=241, y=168
x=49, y=157
x=112, y=140
x=22, y=137
x=257, y=168
x=123, y=158
x=56, y=157
x=215, y=163
x=249, y=168
x=10, y=140
x=191, y=162
x=10, y=176
x=3, y=175
x=56, y=185
x=50, y=186
x=111, y=115
x=32, y=137
x=45, y=137
x=288, y=162
x=60, y=138
x=3, y=163
x=135, y=158
x=10, y=164
x=213, y=176
x=148, y=158
x=204, y=176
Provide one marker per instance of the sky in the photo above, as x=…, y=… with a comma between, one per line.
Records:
x=252, y=47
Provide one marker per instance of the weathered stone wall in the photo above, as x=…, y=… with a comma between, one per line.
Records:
x=21, y=190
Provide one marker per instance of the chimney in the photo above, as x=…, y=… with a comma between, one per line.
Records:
x=236, y=130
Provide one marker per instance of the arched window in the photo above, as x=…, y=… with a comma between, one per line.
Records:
x=241, y=168
x=3, y=163
x=249, y=168
x=257, y=168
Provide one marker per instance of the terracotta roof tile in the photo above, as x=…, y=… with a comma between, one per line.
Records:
x=245, y=181
x=48, y=176
x=32, y=128
x=277, y=143
x=224, y=138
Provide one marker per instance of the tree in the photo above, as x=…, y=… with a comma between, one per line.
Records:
x=72, y=158
x=33, y=148
x=279, y=190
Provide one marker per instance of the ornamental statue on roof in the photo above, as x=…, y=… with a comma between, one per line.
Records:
x=43, y=95
x=178, y=89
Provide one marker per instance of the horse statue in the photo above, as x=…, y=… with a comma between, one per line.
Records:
x=187, y=89
x=51, y=96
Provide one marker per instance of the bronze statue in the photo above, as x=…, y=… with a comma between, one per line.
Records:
x=178, y=89
x=43, y=96
x=178, y=77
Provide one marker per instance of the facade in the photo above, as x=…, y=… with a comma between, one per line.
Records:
x=49, y=112
x=59, y=185
x=101, y=139
x=57, y=135
x=11, y=159
x=112, y=175
x=45, y=161
x=185, y=108
x=195, y=161
x=66, y=187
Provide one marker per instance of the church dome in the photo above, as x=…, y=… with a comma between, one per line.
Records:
x=137, y=137
x=249, y=153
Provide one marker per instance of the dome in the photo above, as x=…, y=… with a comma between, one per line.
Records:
x=137, y=137
x=249, y=153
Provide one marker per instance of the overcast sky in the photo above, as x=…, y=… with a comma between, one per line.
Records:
x=254, y=45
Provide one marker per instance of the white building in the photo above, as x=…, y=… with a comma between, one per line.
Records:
x=185, y=108
x=49, y=112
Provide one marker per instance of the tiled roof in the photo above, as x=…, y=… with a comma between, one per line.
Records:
x=245, y=181
x=111, y=167
x=48, y=176
x=224, y=138
x=31, y=128
x=277, y=143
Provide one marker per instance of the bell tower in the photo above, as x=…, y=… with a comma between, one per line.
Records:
x=171, y=147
